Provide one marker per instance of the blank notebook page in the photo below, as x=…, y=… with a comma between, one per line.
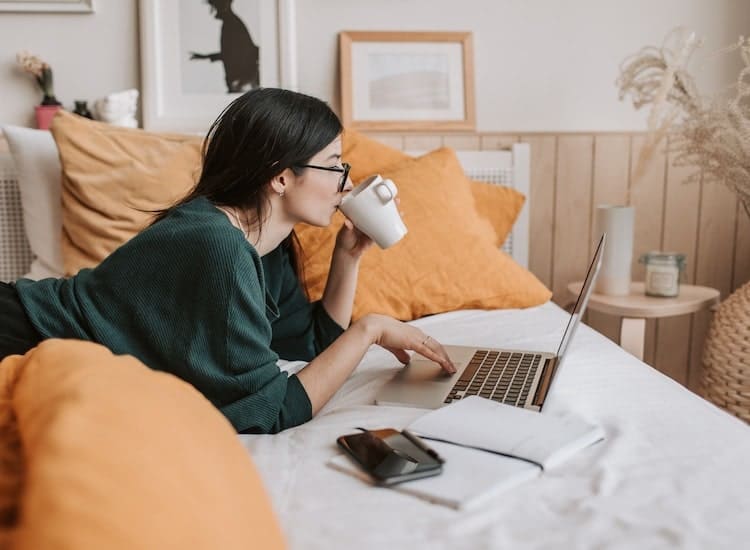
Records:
x=512, y=431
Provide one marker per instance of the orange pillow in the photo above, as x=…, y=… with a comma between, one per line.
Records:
x=367, y=155
x=118, y=456
x=449, y=259
x=498, y=204
x=112, y=177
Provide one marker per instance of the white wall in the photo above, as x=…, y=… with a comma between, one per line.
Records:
x=540, y=65
x=91, y=55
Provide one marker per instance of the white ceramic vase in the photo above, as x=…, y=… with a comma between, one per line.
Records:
x=618, y=223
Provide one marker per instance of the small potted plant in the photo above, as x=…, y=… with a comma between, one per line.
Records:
x=42, y=73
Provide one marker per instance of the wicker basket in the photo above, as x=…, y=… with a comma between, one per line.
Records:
x=726, y=356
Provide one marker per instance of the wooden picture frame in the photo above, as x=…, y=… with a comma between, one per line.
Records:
x=48, y=6
x=396, y=81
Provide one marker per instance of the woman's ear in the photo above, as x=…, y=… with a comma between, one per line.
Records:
x=280, y=182
x=278, y=185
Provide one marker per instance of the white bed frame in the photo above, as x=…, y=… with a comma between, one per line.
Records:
x=509, y=167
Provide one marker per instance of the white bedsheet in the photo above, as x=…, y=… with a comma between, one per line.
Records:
x=674, y=471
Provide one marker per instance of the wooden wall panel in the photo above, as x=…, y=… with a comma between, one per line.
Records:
x=422, y=142
x=497, y=141
x=647, y=183
x=542, y=199
x=462, y=142
x=611, y=174
x=572, y=208
x=680, y=234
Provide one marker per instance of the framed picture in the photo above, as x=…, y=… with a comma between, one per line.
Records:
x=407, y=80
x=49, y=6
x=198, y=56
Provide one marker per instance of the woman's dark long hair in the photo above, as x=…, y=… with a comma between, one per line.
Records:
x=259, y=135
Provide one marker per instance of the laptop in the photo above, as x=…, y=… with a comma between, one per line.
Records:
x=514, y=377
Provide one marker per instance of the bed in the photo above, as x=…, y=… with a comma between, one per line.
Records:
x=671, y=472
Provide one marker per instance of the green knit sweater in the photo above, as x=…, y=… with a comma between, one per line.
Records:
x=190, y=296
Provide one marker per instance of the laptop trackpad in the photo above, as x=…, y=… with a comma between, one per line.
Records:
x=421, y=383
x=423, y=370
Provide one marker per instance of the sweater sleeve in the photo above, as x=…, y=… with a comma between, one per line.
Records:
x=265, y=400
x=303, y=329
x=254, y=414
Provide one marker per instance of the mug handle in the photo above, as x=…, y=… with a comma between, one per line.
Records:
x=386, y=190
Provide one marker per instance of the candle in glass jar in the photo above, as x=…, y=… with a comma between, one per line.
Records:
x=663, y=273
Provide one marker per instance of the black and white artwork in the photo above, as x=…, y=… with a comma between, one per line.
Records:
x=220, y=45
x=199, y=55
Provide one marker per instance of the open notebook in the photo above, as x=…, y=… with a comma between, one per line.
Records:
x=488, y=448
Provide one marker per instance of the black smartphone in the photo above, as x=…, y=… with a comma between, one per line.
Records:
x=391, y=456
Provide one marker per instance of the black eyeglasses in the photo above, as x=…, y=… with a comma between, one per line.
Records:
x=343, y=170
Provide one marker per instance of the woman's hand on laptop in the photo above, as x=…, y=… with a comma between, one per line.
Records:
x=398, y=337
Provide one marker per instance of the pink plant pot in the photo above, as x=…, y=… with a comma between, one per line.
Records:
x=44, y=115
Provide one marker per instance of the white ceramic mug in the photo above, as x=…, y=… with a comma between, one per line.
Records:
x=372, y=207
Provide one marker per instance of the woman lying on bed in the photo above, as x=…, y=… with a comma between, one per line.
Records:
x=209, y=291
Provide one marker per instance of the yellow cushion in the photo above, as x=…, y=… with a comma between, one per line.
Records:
x=368, y=156
x=498, y=204
x=449, y=259
x=119, y=456
x=112, y=178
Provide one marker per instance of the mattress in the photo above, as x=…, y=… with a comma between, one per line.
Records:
x=672, y=472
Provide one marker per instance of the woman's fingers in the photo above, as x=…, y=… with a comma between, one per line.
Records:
x=440, y=356
x=351, y=240
x=433, y=350
x=401, y=354
x=396, y=336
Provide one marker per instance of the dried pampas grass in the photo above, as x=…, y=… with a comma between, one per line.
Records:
x=710, y=134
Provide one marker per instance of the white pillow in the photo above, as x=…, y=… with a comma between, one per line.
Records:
x=39, y=179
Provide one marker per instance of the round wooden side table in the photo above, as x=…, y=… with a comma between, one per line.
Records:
x=636, y=307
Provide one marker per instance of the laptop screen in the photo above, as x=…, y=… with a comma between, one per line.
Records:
x=583, y=298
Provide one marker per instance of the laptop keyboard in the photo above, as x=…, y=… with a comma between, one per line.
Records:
x=501, y=376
